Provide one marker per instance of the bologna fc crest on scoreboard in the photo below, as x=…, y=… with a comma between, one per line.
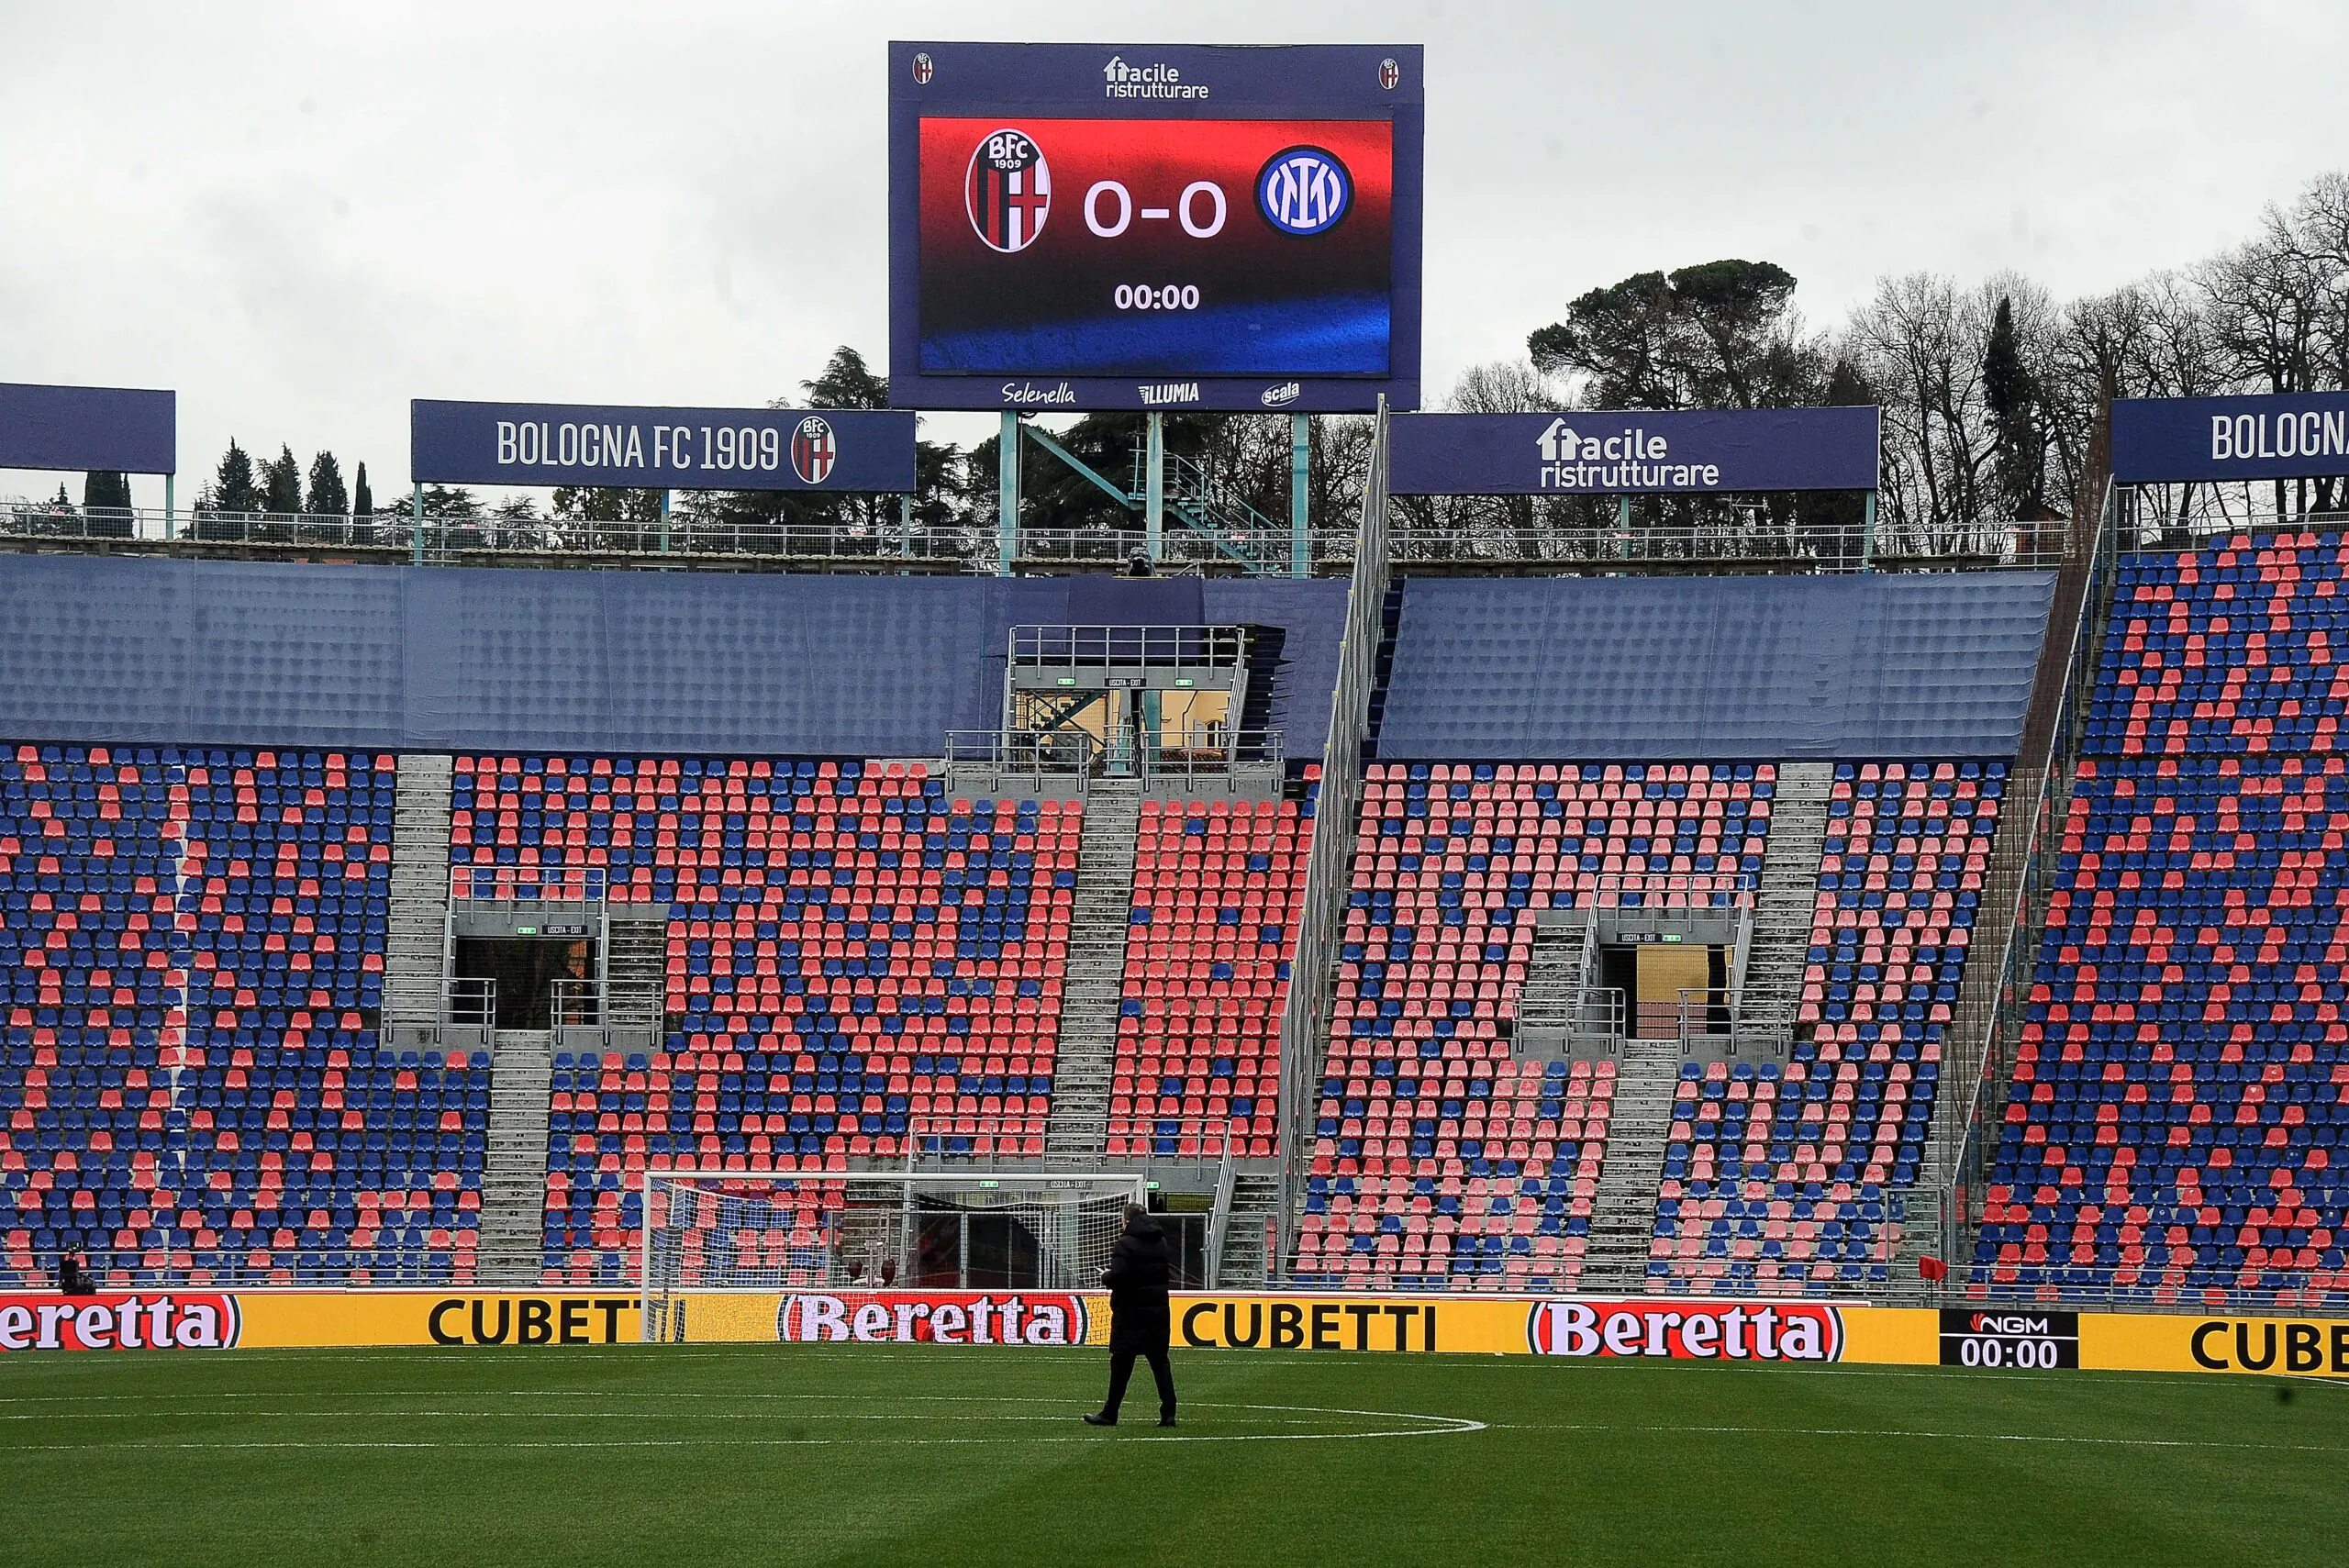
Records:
x=814, y=449
x=1009, y=190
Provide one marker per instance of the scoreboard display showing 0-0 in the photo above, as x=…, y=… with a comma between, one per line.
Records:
x=2009, y=1338
x=1077, y=227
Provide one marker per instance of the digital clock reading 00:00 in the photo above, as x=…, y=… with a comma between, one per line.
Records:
x=1995, y=1353
x=1142, y=296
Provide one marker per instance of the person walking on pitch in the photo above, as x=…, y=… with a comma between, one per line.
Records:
x=1140, y=1323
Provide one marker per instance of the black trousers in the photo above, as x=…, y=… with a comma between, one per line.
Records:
x=1122, y=1368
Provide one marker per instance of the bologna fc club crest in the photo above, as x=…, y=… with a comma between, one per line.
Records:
x=814, y=449
x=1304, y=191
x=1389, y=73
x=923, y=70
x=1009, y=190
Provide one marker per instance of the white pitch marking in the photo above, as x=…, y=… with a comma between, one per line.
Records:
x=1432, y=1426
x=1903, y=1433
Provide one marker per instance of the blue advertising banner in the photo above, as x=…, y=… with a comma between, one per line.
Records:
x=664, y=449
x=1078, y=227
x=1639, y=452
x=114, y=429
x=2292, y=435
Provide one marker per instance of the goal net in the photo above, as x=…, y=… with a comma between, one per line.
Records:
x=719, y=1249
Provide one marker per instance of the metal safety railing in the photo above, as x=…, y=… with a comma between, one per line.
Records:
x=1098, y=650
x=1462, y=533
x=1978, y=1059
x=527, y=884
x=1330, y=862
x=604, y=1004
x=1038, y=752
x=471, y=1002
x=1201, y=755
x=880, y=541
x=1219, y=549
x=1681, y=533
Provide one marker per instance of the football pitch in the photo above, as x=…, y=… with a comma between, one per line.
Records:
x=851, y=1454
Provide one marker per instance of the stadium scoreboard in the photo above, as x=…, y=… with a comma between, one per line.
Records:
x=1101, y=226
x=2006, y=1338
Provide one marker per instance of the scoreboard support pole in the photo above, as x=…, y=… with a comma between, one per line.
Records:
x=1153, y=503
x=1300, y=479
x=1007, y=467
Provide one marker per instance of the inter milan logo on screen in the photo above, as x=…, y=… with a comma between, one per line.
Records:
x=1304, y=191
x=814, y=449
x=1009, y=190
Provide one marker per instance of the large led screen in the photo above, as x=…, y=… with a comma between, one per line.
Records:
x=1091, y=227
x=1150, y=248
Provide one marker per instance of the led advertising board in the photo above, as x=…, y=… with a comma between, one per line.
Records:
x=119, y=430
x=2293, y=435
x=661, y=449
x=1092, y=227
x=1628, y=452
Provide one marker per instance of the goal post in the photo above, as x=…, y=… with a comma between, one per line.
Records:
x=731, y=1242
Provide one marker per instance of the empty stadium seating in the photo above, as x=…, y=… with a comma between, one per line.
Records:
x=192, y=953
x=2178, y=1095
x=1439, y=1159
x=1774, y=1178
x=1208, y=952
x=853, y=960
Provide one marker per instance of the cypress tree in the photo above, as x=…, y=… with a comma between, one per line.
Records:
x=363, y=503
x=105, y=501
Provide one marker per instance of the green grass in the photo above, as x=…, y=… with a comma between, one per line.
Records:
x=849, y=1454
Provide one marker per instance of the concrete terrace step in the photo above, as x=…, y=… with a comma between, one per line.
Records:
x=511, y=1249
x=1093, y=978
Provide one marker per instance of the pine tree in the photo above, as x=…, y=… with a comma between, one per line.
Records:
x=233, y=489
x=327, y=497
x=362, y=501
x=282, y=484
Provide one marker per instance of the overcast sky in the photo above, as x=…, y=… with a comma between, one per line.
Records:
x=301, y=216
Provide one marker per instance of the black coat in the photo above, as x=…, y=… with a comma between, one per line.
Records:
x=1139, y=1276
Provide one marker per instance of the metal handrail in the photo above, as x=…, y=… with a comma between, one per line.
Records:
x=886, y=539
x=1200, y=755
x=1608, y=889
x=1471, y=533
x=597, y=1004
x=471, y=1002
x=527, y=884
x=1970, y=1135
x=1024, y=751
x=1305, y=1015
